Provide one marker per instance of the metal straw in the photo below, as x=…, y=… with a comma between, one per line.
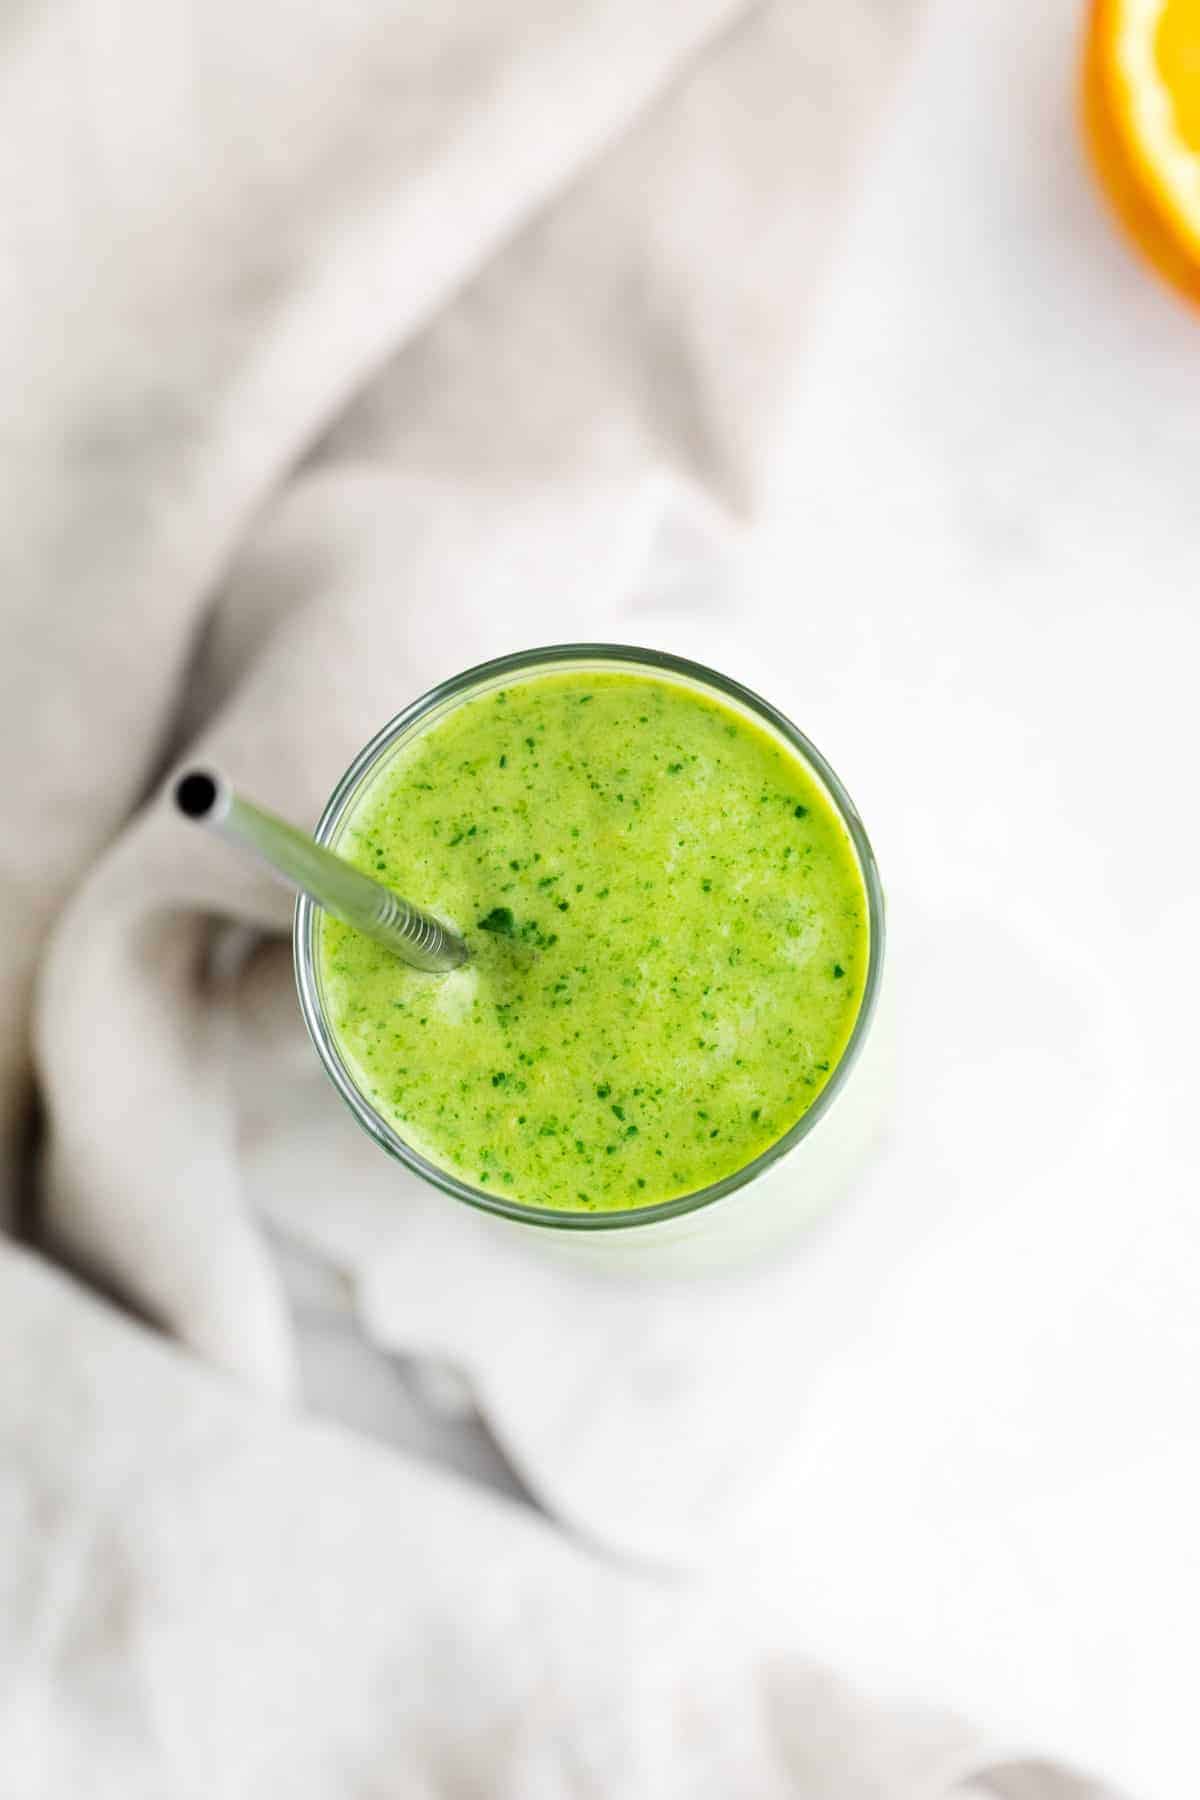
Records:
x=410, y=933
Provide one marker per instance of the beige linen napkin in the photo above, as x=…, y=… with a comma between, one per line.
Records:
x=201, y=1597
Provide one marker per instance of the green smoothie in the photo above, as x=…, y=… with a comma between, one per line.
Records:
x=668, y=930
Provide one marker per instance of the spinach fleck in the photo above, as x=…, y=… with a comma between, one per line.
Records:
x=499, y=921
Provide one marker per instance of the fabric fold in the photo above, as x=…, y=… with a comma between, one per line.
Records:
x=203, y=1595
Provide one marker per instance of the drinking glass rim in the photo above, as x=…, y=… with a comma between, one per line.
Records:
x=521, y=663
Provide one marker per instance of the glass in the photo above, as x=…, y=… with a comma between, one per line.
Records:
x=505, y=671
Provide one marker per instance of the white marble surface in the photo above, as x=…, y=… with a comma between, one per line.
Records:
x=987, y=537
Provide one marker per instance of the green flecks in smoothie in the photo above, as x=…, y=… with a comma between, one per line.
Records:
x=500, y=921
x=697, y=989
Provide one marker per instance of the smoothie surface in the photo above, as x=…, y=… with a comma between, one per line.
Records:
x=668, y=930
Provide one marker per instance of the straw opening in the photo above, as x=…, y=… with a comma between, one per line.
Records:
x=195, y=794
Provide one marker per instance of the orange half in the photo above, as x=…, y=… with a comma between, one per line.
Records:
x=1141, y=97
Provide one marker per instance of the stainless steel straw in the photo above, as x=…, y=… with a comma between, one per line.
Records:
x=411, y=934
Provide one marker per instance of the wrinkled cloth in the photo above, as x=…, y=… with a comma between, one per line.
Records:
x=343, y=356
x=200, y=1596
